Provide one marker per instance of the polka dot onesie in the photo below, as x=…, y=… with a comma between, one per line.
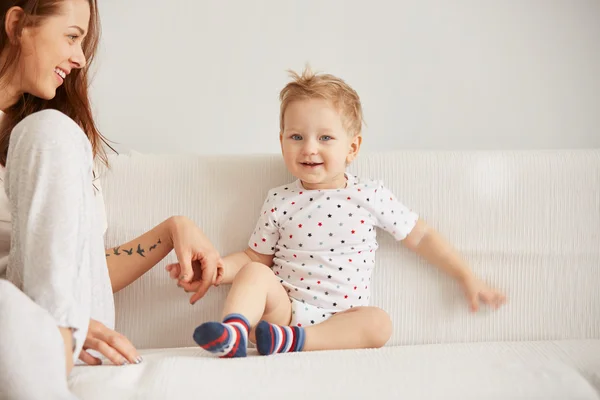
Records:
x=324, y=242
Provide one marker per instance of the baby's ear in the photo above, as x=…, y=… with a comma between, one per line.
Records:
x=354, y=148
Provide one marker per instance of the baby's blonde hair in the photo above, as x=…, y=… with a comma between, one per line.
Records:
x=312, y=85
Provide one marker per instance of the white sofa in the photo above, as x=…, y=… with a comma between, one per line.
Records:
x=528, y=222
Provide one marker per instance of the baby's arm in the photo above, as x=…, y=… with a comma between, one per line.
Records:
x=428, y=243
x=233, y=263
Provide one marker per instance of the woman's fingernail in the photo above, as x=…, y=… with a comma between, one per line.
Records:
x=139, y=359
x=124, y=362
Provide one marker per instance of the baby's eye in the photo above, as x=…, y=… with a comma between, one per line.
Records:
x=326, y=138
x=296, y=137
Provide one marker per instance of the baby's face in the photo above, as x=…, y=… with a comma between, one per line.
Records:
x=315, y=145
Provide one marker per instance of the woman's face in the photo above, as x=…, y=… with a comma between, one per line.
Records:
x=50, y=51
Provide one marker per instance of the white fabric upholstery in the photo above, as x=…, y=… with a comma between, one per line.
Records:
x=528, y=222
x=475, y=371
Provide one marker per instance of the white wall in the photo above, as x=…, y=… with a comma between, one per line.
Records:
x=203, y=76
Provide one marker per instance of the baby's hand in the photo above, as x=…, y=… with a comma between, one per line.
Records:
x=476, y=290
x=174, y=270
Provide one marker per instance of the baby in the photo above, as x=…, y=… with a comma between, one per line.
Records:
x=303, y=283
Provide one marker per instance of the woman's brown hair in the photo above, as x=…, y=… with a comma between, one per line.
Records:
x=72, y=97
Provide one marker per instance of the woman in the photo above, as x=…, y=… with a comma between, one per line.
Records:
x=56, y=299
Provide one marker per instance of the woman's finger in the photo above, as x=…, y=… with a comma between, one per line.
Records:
x=215, y=277
x=121, y=344
x=184, y=257
x=197, y=296
x=89, y=359
x=189, y=287
x=107, y=351
x=219, y=277
x=124, y=347
x=220, y=272
x=209, y=269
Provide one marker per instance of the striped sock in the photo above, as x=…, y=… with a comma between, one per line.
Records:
x=229, y=339
x=271, y=338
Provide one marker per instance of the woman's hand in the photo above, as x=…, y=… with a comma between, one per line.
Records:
x=114, y=346
x=194, y=286
x=199, y=264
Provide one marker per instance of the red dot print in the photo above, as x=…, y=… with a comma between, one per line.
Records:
x=346, y=296
x=354, y=287
x=359, y=190
x=353, y=231
x=300, y=325
x=349, y=260
x=362, y=221
x=272, y=210
x=318, y=282
x=291, y=236
x=299, y=225
x=295, y=256
x=264, y=240
x=300, y=193
x=391, y=198
x=293, y=202
x=360, y=252
x=320, y=224
x=348, y=198
x=255, y=245
x=301, y=279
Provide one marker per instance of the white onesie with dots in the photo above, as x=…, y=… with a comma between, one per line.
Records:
x=324, y=242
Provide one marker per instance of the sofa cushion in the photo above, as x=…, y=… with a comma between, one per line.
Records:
x=561, y=370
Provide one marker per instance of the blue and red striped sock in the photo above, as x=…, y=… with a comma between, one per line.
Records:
x=271, y=338
x=229, y=339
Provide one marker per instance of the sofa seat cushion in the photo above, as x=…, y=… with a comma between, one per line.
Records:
x=502, y=370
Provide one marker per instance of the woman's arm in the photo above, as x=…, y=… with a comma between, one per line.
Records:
x=129, y=261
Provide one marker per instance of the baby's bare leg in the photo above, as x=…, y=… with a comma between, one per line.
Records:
x=255, y=292
x=357, y=328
